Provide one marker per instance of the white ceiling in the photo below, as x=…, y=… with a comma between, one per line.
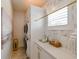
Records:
x=39, y=3
x=20, y=4
x=23, y=4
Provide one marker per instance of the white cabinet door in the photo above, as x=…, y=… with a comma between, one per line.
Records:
x=44, y=55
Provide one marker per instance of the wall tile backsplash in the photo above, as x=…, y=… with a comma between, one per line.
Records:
x=68, y=38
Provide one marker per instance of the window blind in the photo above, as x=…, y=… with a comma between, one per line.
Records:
x=59, y=17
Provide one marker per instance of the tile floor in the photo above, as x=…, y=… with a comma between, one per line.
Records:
x=19, y=54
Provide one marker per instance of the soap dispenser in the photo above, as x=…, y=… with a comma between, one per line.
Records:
x=45, y=37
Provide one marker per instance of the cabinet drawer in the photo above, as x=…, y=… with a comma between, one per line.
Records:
x=43, y=54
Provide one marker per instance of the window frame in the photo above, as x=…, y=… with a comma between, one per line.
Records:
x=70, y=24
x=56, y=17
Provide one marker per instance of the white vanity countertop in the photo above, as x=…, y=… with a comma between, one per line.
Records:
x=58, y=53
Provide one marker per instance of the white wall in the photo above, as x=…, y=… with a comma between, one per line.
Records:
x=6, y=52
x=37, y=28
x=57, y=4
x=7, y=47
x=18, y=27
x=7, y=6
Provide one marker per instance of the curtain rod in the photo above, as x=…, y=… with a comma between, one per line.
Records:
x=55, y=11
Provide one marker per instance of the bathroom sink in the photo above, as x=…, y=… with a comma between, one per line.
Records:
x=55, y=43
x=43, y=40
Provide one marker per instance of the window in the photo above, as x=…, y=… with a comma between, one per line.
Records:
x=59, y=17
